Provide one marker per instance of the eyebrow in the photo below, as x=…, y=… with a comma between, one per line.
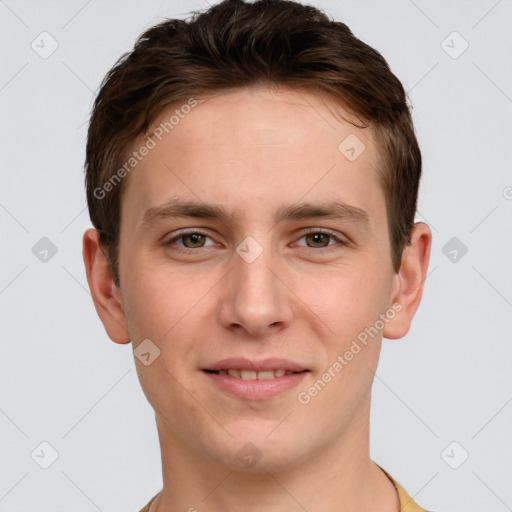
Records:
x=333, y=210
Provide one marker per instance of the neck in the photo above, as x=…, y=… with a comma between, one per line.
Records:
x=341, y=477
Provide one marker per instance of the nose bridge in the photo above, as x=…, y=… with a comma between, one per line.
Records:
x=256, y=281
x=254, y=297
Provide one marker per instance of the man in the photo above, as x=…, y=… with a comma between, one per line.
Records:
x=252, y=176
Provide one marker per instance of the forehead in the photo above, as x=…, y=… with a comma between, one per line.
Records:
x=246, y=146
x=266, y=118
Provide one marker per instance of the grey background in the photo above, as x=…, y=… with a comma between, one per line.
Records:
x=65, y=383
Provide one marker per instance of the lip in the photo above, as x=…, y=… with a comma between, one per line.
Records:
x=256, y=389
x=273, y=363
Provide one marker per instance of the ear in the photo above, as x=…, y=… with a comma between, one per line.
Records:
x=105, y=294
x=408, y=282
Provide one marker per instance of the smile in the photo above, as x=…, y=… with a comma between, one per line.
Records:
x=254, y=375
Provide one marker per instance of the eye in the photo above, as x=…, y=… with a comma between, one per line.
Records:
x=319, y=239
x=315, y=239
x=190, y=240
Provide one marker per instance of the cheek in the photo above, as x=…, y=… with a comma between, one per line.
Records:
x=159, y=298
x=350, y=307
x=347, y=298
x=165, y=310
x=174, y=310
x=352, y=303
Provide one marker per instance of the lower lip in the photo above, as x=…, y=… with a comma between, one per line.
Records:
x=256, y=389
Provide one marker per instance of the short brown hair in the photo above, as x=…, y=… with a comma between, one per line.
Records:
x=237, y=44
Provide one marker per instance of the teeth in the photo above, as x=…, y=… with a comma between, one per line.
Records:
x=253, y=375
x=268, y=374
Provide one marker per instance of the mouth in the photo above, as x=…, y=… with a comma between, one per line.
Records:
x=245, y=374
x=255, y=380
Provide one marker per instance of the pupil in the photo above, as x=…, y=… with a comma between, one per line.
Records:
x=317, y=238
x=195, y=238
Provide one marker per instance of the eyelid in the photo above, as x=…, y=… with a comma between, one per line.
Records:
x=310, y=230
x=189, y=231
x=338, y=238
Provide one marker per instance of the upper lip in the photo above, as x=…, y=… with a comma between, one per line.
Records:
x=242, y=363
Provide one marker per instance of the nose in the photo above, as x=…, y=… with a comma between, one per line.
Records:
x=255, y=298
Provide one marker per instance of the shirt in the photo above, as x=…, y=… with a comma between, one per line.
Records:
x=407, y=504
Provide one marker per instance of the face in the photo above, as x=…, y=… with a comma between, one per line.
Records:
x=252, y=274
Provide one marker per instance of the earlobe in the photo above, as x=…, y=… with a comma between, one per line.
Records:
x=409, y=281
x=105, y=294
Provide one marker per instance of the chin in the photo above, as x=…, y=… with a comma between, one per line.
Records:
x=257, y=453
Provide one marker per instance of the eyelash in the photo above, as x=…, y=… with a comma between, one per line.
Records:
x=308, y=232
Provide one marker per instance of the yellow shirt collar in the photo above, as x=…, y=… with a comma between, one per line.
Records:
x=407, y=504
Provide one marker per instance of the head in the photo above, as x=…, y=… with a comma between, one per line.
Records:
x=252, y=177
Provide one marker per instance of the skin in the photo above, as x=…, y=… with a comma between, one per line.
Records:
x=304, y=299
